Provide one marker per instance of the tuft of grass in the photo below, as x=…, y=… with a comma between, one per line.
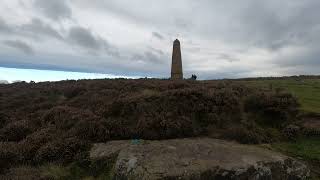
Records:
x=100, y=170
x=55, y=171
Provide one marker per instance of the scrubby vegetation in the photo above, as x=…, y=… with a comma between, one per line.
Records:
x=43, y=123
x=306, y=149
x=306, y=88
x=302, y=139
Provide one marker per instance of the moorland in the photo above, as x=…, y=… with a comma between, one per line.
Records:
x=48, y=128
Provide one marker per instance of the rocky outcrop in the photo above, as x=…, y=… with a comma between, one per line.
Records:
x=199, y=158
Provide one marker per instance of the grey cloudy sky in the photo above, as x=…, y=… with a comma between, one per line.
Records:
x=220, y=39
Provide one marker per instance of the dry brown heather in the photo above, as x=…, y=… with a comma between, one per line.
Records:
x=58, y=122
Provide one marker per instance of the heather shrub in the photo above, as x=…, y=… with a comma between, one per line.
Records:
x=32, y=143
x=23, y=173
x=15, y=131
x=293, y=132
x=62, y=119
x=91, y=130
x=3, y=120
x=273, y=135
x=8, y=155
x=246, y=136
x=170, y=114
x=61, y=150
x=71, y=92
x=311, y=132
x=272, y=109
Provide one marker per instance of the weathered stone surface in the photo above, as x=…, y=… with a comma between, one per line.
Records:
x=108, y=150
x=200, y=158
x=176, y=68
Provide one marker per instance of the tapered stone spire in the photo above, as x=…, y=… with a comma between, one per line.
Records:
x=176, y=68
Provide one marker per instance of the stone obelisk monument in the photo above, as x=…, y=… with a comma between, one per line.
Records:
x=176, y=68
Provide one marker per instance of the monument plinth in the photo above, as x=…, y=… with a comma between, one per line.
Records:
x=176, y=68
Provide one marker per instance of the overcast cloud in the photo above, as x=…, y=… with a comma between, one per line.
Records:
x=220, y=39
x=20, y=46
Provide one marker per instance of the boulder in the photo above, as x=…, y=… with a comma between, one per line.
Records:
x=198, y=158
x=108, y=150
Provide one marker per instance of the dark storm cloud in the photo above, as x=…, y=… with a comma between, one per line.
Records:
x=150, y=57
x=54, y=9
x=155, y=58
x=157, y=35
x=84, y=38
x=306, y=59
x=157, y=51
x=19, y=45
x=227, y=57
x=183, y=23
x=37, y=28
x=76, y=36
x=4, y=27
x=268, y=25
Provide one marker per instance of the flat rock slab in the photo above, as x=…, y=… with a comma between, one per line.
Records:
x=199, y=158
x=108, y=150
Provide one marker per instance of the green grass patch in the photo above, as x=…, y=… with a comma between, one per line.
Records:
x=306, y=90
x=305, y=148
x=100, y=170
